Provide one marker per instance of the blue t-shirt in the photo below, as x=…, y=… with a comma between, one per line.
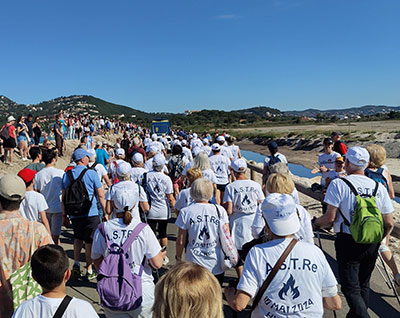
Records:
x=101, y=156
x=91, y=181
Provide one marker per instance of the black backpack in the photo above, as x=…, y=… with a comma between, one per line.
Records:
x=177, y=166
x=76, y=199
x=5, y=132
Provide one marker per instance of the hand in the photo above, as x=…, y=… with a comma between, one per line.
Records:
x=104, y=218
x=229, y=293
x=66, y=221
x=315, y=170
x=323, y=169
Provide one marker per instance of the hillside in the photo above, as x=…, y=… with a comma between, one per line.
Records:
x=366, y=110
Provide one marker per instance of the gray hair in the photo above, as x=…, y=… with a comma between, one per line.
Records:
x=201, y=190
x=279, y=167
x=158, y=168
x=352, y=167
x=92, y=159
x=201, y=161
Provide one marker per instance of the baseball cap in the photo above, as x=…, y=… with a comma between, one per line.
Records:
x=194, y=136
x=79, y=154
x=215, y=147
x=123, y=169
x=154, y=137
x=184, y=142
x=239, y=165
x=279, y=211
x=220, y=138
x=339, y=159
x=122, y=198
x=336, y=133
x=91, y=153
x=196, y=151
x=327, y=141
x=10, y=118
x=358, y=156
x=120, y=152
x=273, y=145
x=205, y=141
x=137, y=157
x=99, y=143
x=158, y=160
x=27, y=174
x=12, y=187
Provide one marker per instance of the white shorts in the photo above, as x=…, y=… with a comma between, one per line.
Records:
x=55, y=222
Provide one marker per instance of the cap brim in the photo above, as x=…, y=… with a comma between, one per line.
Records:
x=286, y=226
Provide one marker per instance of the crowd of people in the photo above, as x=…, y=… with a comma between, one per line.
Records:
x=119, y=200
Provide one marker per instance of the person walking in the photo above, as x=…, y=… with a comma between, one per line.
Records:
x=356, y=261
x=59, y=135
x=10, y=140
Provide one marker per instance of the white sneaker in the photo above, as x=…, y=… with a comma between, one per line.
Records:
x=166, y=261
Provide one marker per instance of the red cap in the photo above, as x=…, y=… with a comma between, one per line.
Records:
x=27, y=174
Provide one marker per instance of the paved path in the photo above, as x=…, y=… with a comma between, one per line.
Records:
x=383, y=302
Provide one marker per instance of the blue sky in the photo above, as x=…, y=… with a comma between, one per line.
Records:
x=175, y=55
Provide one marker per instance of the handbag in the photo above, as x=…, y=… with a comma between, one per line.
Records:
x=23, y=285
x=228, y=247
x=274, y=271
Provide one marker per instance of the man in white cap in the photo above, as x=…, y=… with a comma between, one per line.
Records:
x=138, y=168
x=112, y=167
x=86, y=223
x=186, y=150
x=225, y=151
x=137, y=195
x=206, y=148
x=17, y=235
x=220, y=165
x=160, y=147
x=304, y=284
x=241, y=199
x=355, y=261
x=161, y=192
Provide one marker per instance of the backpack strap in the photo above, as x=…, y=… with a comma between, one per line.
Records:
x=352, y=188
x=135, y=233
x=103, y=232
x=63, y=306
x=376, y=189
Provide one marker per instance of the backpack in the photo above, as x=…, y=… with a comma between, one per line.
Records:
x=5, y=132
x=93, y=166
x=367, y=223
x=76, y=200
x=377, y=176
x=177, y=166
x=273, y=160
x=118, y=287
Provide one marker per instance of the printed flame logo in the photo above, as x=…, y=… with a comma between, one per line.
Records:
x=203, y=232
x=289, y=285
x=246, y=200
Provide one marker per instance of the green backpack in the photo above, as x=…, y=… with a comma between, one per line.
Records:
x=367, y=223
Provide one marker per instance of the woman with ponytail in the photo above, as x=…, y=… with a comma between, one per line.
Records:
x=145, y=247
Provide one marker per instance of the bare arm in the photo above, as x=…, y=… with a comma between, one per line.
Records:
x=327, y=219
x=171, y=199
x=180, y=243
x=237, y=301
x=228, y=207
x=107, y=180
x=97, y=262
x=332, y=303
x=388, y=223
x=145, y=206
x=157, y=261
x=390, y=186
x=101, y=196
x=44, y=220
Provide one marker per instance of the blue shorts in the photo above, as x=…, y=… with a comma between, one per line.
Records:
x=21, y=138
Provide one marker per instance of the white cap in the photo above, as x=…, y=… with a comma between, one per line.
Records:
x=87, y=129
x=184, y=142
x=137, y=157
x=154, y=137
x=151, y=148
x=196, y=150
x=176, y=142
x=279, y=211
x=239, y=165
x=99, y=143
x=358, y=156
x=205, y=141
x=216, y=147
x=123, y=169
x=91, y=153
x=194, y=136
x=122, y=198
x=220, y=138
x=120, y=152
x=158, y=160
x=10, y=118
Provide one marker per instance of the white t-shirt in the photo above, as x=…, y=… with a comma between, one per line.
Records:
x=183, y=199
x=188, y=165
x=145, y=245
x=278, y=155
x=327, y=160
x=137, y=174
x=340, y=196
x=220, y=165
x=187, y=153
x=159, y=146
x=235, y=151
x=305, y=233
x=134, y=197
x=244, y=195
x=226, y=152
x=148, y=165
x=48, y=182
x=101, y=171
x=158, y=186
x=32, y=205
x=202, y=223
x=209, y=175
x=206, y=149
x=42, y=306
x=296, y=290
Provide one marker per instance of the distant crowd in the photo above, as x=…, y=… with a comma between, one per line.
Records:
x=119, y=199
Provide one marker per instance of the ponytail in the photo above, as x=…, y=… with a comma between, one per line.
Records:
x=127, y=216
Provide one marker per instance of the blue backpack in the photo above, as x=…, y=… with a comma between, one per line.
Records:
x=118, y=287
x=377, y=176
